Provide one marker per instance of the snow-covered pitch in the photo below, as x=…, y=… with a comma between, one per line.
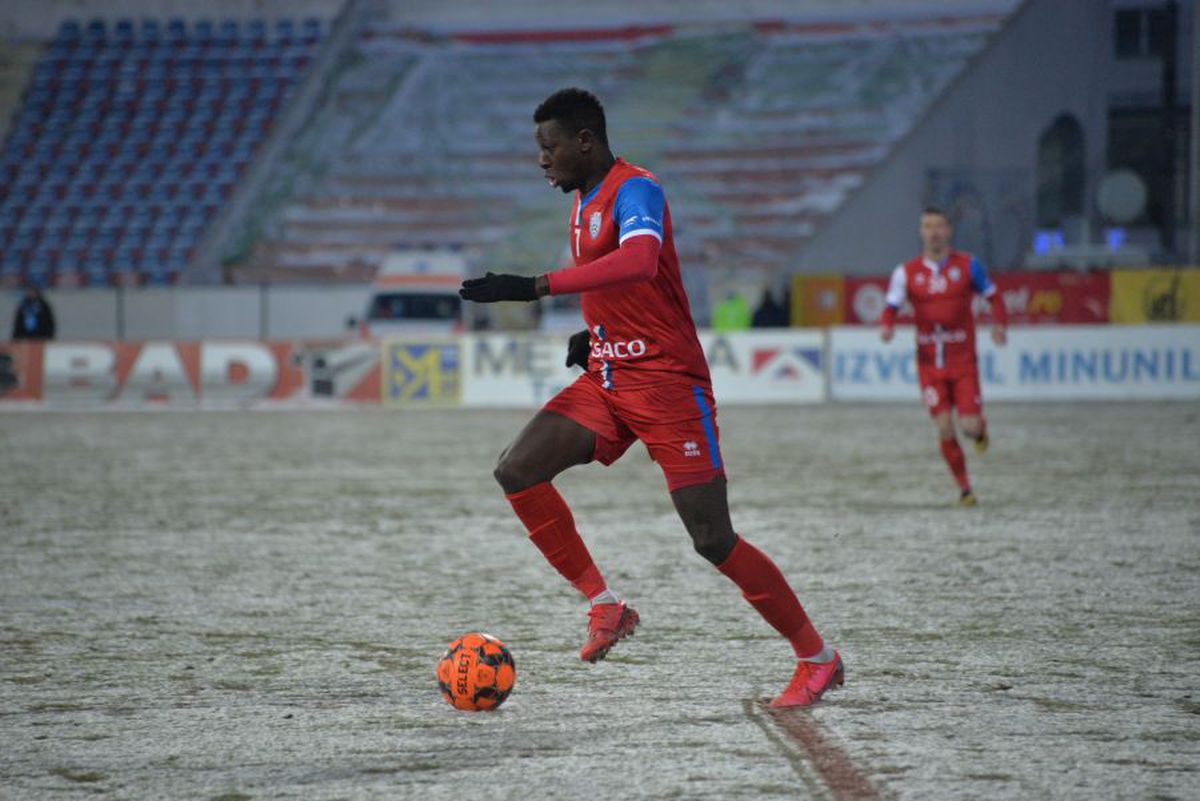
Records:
x=250, y=605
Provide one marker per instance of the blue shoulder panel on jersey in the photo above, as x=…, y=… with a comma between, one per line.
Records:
x=639, y=208
x=586, y=199
x=979, y=277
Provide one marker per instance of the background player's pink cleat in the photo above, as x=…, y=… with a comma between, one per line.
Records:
x=810, y=681
x=607, y=625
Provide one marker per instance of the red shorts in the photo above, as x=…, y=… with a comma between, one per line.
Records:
x=954, y=387
x=676, y=421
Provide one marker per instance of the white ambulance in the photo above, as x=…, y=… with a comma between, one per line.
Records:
x=415, y=293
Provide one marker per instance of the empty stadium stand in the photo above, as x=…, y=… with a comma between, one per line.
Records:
x=761, y=131
x=132, y=134
x=129, y=138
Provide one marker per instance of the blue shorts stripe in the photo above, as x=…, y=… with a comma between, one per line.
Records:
x=710, y=433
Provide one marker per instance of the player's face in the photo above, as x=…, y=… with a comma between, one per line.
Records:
x=560, y=156
x=935, y=232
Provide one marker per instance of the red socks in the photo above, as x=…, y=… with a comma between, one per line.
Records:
x=552, y=528
x=767, y=591
x=953, y=455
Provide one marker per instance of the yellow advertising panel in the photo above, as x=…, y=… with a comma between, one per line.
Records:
x=421, y=373
x=817, y=300
x=1155, y=296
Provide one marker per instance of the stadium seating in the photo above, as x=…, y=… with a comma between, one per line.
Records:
x=131, y=135
x=441, y=161
x=797, y=117
x=760, y=132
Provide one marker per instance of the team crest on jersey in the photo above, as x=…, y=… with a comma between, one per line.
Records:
x=919, y=278
x=954, y=273
x=594, y=224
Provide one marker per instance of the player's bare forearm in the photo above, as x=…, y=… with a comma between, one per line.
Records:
x=999, y=315
x=887, y=327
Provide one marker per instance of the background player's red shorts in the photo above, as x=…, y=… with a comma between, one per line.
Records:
x=676, y=421
x=949, y=387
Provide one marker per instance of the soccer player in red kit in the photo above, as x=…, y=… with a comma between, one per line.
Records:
x=645, y=378
x=940, y=284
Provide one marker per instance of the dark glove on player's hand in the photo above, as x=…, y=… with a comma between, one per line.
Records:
x=577, y=349
x=492, y=288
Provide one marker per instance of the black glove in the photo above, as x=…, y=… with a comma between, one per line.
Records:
x=577, y=349
x=492, y=288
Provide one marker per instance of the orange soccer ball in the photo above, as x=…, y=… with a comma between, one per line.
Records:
x=477, y=672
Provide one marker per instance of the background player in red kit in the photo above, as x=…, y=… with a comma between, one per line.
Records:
x=645, y=378
x=940, y=284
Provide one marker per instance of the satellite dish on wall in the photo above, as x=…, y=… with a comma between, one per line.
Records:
x=1122, y=196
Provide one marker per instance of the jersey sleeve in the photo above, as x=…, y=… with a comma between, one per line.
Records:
x=639, y=209
x=897, y=291
x=980, y=281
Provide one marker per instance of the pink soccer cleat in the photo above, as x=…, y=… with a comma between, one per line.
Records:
x=810, y=681
x=607, y=625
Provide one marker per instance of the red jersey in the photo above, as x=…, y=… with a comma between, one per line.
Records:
x=941, y=294
x=643, y=333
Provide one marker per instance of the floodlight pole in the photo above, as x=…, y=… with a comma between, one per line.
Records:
x=1194, y=136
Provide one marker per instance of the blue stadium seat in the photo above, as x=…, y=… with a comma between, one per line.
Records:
x=123, y=31
x=285, y=30
x=228, y=32
x=160, y=238
x=151, y=31
x=177, y=258
x=131, y=136
x=39, y=271
x=10, y=266
x=55, y=232
x=155, y=272
x=69, y=31
x=176, y=31
x=255, y=30
x=202, y=31
x=95, y=271
x=78, y=239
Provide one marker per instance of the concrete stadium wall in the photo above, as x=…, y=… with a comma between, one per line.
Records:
x=1044, y=63
x=182, y=313
x=39, y=19
x=1053, y=57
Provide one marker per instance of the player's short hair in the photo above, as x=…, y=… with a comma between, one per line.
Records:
x=575, y=110
x=938, y=210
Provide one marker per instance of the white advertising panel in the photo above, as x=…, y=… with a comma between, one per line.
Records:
x=1075, y=362
x=526, y=370
x=766, y=366
x=513, y=370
